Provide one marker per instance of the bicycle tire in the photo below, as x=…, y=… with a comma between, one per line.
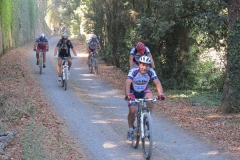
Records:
x=62, y=82
x=96, y=67
x=147, y=140
x=65, y=81
x=40, y=66
x=91, y=66
x=136, y=133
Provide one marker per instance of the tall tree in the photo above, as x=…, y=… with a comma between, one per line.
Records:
x=231, y=90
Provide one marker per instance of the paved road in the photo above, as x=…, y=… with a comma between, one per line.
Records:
x=96, y=115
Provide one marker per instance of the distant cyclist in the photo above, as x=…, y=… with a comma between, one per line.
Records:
x=63, y=50
x=41, y=43
x=93, y=43
x=136, y=52
x=137, y=86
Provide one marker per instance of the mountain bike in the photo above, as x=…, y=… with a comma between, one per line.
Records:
x=143, y=126
x=93, y=64
x=40, y=63
x=65, y=71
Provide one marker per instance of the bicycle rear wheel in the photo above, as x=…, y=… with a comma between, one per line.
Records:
x=147, y=140
x=136, y=133
x=91, y=66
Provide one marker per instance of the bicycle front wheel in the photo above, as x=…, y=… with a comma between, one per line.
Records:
x=65, y=81
x=91, y=66
x=96, y=67
x=147, y=139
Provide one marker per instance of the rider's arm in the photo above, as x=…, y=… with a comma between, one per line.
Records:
x=34, y=46
x=99, y=46
x=55, y=51
x=127, y=87
x=158, y=86
x=47, y=46
x=74, y=51
x=131, y=61
x=88, y=47
x=153, y=64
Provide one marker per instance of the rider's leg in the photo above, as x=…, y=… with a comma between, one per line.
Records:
x=69, y=63
x=44, y=59
x=59, y=67
x=131, y=115
x=89, y=56
x=37, y=56
x=149, y=103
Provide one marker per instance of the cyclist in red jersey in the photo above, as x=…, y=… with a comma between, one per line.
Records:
x=41, y=43
x=140, y=49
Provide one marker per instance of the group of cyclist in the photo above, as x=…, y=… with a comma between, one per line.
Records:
x=142, y=70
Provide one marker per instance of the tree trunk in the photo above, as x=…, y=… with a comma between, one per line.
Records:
x=231, y=90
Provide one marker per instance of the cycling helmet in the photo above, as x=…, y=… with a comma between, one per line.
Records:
x=64, y=36
x=42, y=37
x=140, y=47
x=145, y=59
x=94, y=36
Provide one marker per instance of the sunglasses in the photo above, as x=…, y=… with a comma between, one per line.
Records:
x=65, y=39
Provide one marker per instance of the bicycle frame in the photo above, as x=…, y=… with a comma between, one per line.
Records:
x=142, y=109
x=94, y=62
x=143, y=116
x=40, y=60
x=65, y=71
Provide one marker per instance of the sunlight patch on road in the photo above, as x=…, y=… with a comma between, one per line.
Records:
x=82, y=55
x=211, y=153
x=109, y=145
x=100, y=122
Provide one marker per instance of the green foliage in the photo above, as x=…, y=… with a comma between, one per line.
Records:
x=177, y=32
x=203, y=98
x=18, y=22
x=6, y=18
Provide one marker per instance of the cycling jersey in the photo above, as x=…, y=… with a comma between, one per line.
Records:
x=64, y=48
x=41, y=43
x=93, y=44
x=140, y=81
x=137, y=55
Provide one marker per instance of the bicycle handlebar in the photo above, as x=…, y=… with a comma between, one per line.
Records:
x=143, y=99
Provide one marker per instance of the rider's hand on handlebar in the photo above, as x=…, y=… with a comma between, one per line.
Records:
x=131, y=96
x=161, y=97
x=34, y=49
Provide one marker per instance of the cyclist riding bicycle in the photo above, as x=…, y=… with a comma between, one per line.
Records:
x=93, y=43
x=140, y=49
x=41, y=43
x=63, y=50
x=137, y=86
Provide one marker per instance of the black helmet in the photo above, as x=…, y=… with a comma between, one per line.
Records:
x=64, y=36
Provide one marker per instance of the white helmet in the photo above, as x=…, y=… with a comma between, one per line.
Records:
x=145, y=59
x=94, y=36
